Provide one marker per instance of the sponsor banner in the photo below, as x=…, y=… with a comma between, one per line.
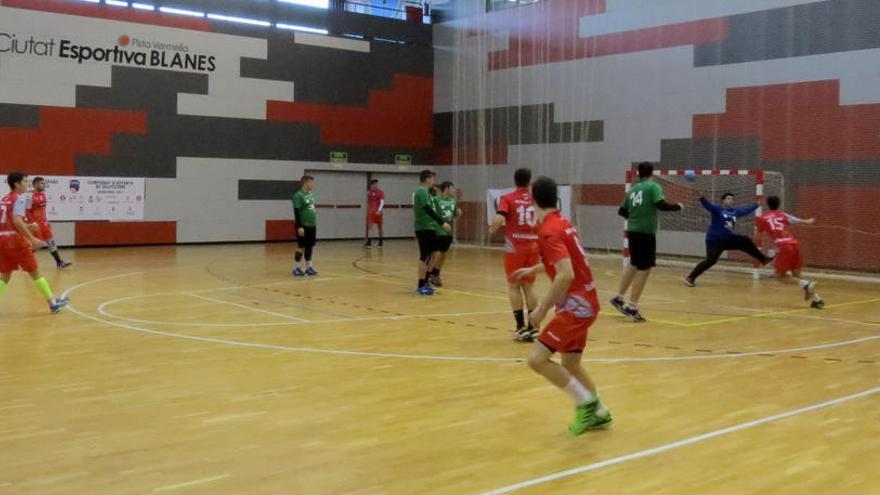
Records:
x=494, y=195
x=93, y=198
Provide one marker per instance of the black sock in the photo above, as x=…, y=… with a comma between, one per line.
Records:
x=520, y=318
x=422, y=282
x=57, y=257
x=435, y=271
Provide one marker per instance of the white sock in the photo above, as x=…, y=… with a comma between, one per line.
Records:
x=601, y=410
x=633, y=305
x=309, y=263
x=803, y=283
x=816, y=296
x=578, y=392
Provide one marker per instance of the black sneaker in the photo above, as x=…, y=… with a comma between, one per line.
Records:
x=619, y=304
x=524, y=334
x=633, y=314
x=818, y=304
x=381, y=245
x=368, y=245
x=689, y=282
x=769, y=260
x=435, y=281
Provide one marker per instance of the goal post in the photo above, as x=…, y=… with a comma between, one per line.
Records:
x=681, y=233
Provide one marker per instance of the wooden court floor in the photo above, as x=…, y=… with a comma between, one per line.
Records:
x=209, y=370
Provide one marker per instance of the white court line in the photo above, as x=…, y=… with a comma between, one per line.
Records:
x=102, y=310
x=271, y=313
x=191, y=483
x=674, y=445
x=425, y=357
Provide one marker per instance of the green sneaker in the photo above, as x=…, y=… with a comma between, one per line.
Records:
x=584, y=417
x=600, y=421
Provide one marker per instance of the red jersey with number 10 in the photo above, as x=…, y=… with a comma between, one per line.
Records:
x=519, y=229
x=776, y=225
x=558, y=240
x=37, y=212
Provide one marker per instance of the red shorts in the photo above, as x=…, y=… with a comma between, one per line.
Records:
x=566, y=333
x=788, y=258
x=374, y=218
x=515, y=261
x=15, y=254
x=42, y=231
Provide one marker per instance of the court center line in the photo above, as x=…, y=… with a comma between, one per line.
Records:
x=429, y=357
x=102, y=310
x=681, y=443
x=271, y=313
x=423, y=357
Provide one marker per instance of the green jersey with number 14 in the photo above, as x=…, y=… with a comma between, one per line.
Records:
x=641, y=202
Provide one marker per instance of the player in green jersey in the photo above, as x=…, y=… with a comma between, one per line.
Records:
x=446, y=205
x=306, y=226
x=426, y=223
x=639, y=208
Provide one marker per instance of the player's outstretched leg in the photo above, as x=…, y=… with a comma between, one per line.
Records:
x=55, y=304
x=713, y=254
x=747, y=245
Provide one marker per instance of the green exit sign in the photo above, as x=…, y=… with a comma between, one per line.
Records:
x=339, y=157
x=403, y=159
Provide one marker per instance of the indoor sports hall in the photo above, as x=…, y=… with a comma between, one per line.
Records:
x=277, y=239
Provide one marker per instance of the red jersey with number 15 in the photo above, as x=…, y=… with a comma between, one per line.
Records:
x=519, y=229
x=776, y=225
x=37, y=212
x=558, y=240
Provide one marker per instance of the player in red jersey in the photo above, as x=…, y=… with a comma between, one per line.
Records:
x=375, y=205
x=775, y=224
x=516, y=214
x=17, y=243
x=576, y=303
x=36, y=217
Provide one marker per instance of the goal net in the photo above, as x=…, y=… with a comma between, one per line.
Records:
x=682, y=233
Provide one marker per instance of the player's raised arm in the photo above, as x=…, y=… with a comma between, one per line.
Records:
x=747, y=210
x=794, y=220
x=709, y=205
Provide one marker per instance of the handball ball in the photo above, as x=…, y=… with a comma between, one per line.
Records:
x=690, y=175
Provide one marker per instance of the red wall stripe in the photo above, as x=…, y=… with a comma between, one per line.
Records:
x=280, y=230
x=111, y=13
x=63, y=134
x=125, y=233
x=845, y=232
x=599, y=194
x=401, y=117
x=800, y=121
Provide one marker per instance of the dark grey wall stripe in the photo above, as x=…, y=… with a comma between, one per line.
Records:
x=811, y=29
x=267, y=189
x=530, y=124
